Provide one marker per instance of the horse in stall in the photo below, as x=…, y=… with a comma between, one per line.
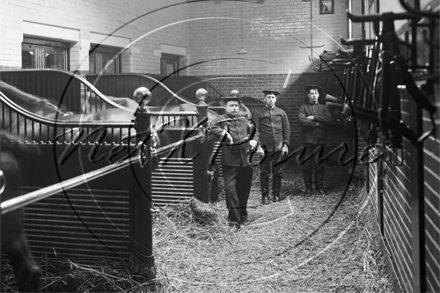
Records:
x=141, y=96
x=91, y=102
x=52, y=131
x=48, y=109
x=14, y=244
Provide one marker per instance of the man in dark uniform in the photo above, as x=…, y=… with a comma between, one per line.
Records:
x=237, y=133
x=313, y=118
x=273, y=132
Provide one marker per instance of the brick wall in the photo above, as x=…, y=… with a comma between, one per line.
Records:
x=272, y=35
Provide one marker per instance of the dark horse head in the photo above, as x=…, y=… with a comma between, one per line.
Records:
x=13, y=239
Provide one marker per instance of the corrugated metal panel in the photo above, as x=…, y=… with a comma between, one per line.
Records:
x=373, y=187
x=397, y=224
x=432, y=245
x=432, y=214
x=172, y=181
x=80, y=223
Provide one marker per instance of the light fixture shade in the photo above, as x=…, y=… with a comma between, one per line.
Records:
x=242, y=51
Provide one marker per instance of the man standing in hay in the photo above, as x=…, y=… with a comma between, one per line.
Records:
x=313, y=118
x=236, y=132
x=273, y=132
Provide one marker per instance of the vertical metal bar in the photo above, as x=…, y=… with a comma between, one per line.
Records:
x=417, y=4
x=40, y=134
x=363, y=31
x=367, y=183
x=311, y=30
x=201, y=180
x=417, y=192
x=141, y=230
x=18, y=123
x=10, y=120
x=2, y=183
x=417, y=202
x=32, y=131
x=379, y=192
x=3, y=115
x=25, y=128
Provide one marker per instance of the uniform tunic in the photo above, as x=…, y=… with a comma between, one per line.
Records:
x=314, y=134
x=273, y=128
x=314, y=131
x=273, y=131
x=241, y=131
x=237, y=170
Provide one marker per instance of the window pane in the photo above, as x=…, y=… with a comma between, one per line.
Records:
x=170, y=68
x=92, y=63
x=108, y=63
x=38, y=56
x=27, y=59
x=54, y=58
x=104, y=60
x=169, y=64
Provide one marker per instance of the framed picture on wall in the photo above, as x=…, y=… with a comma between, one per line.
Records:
x=326, y=7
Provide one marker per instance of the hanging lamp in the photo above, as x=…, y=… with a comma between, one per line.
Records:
x=242, y=50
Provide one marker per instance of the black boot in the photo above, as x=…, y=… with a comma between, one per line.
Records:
x=264, y=182
x=308, y=191
x=319, y=180
x=276, y=187
x=319, y=190
x=307, y=182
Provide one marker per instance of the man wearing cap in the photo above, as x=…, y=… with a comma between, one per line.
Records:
x=313, y=118
x=273, y=133
x=236, y=132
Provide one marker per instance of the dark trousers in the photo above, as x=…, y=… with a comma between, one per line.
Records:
x=238, y=182
x=271, y=159
x=311, y=164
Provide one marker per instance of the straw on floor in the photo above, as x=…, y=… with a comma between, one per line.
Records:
x=301, y=244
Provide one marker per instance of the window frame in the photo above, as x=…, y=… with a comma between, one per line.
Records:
x=98, y=54
x=40, y=45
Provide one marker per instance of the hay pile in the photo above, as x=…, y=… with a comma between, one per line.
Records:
x=315, y=244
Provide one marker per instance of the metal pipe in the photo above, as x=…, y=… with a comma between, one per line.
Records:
x=34, y=196
x=37, y=195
